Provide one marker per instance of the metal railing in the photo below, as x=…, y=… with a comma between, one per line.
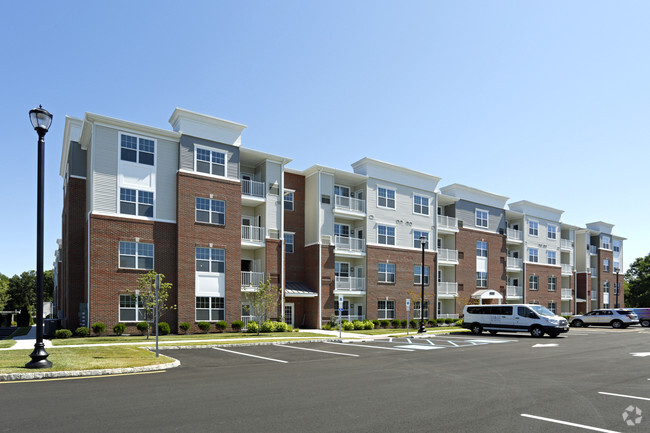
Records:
x=445, y=288
x=445, y=255
x=514, y=292
x=567, y=313
x=447, y=316
x=351, y=317
x=447, y=222
x=349, y=283
x=253, y=188
x=514, y=235
x=252, y=233
x=566, y=243
x=567, y=294
x=347, y=243
x=349, y=203
x=514, y=262
x=251, y=278
x=594, y=272
x=567, y=269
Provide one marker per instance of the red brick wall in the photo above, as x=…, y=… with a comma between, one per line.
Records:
x=608, y=276
x=543, y=296
x=294, y=221
x=73, y=283
x=192, y=234
x=311, y=278
x=327, y=282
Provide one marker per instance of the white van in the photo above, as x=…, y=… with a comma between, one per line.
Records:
x=531, y=318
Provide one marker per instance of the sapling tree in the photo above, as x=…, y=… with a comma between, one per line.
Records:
x=145, y=297
x=264, y=300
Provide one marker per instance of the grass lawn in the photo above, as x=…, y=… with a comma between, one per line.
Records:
x=82, y=358
x=6, y=343
x=402, y=331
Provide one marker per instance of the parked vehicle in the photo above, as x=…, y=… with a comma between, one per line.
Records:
x=644, y=316
x=616, y=318
x=531, y=318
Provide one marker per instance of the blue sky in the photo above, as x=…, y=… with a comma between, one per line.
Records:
x=540, y=101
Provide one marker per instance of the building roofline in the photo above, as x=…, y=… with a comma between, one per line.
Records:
x=139, y=127
x=474, y=190
x=367, y=160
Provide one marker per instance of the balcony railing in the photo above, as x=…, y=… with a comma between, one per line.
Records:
x=594, y=272
x=515, y=263
x=347, y=243
x=567, y=313
x=514, y=235
x=350, y=317
x=567, y=269
x=445, y=288
x=566, y=243
x=253, y=188
x=447, y=316
x=349, y=203
x=566, y=294
x=252, y=233
x=251, y=278
x=593, y=249
x=514, y=292
x=350, y=283
x=445, y=255
x=446, y=222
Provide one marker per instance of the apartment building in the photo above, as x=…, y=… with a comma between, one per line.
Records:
x=217, y=218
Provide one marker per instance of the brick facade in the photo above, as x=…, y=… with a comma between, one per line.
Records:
x=542, y=295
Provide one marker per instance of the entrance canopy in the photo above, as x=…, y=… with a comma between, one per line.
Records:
x=484, y=295
x=297, y=289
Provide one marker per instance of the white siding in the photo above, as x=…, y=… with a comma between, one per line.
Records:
x=105, y=154
x=312, y=206
x=166, y=167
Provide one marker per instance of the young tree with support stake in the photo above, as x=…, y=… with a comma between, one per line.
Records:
x=145, y=296
x=264, y=300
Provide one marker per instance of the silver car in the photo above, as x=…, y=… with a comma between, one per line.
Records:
x=616, y=318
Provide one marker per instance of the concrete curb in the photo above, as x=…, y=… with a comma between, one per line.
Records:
x=264, y=343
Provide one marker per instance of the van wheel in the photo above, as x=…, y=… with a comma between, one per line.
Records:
x=645, y=323
x=617, y=324
x=577, y=323
x=476, y=329
x=493, y=332
x=537, y=332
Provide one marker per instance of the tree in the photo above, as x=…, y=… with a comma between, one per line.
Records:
x=48, y=285
x=4, y=291
x=637, y=292
x=263, y=300
x=146, y=297
x=22, y=290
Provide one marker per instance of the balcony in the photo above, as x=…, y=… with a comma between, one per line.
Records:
x=349, y=207
x=447, y=257
x=447, y=316
x=346, y=244
x=514, y=264
x=567, y=269
x=567, y=294
x=567, y=313
x=350, y=284
x=566, y=244
x=593, y=250
x=448, y=224
x=252, y=236
x=253, y=193
x=514, y=236
x=448, y=290
x=594, y=272
x=514, y=292
x=251, y=279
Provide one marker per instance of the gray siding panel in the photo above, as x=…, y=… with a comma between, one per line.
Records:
x=77, y=160
x=466, y=212
x=187, y=154
x=105, y=148
x=166, y=167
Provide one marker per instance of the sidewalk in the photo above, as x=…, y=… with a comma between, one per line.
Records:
x=28, y=340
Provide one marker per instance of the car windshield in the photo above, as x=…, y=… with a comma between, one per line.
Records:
x=542, y=311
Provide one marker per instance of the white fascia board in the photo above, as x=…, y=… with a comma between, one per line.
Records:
x=132, y=126
x=208, y=127
x=538, y=210
x=339, y=175
x=263, y=156
x=386, y=171
x=601, y=226
x=71, y=132
x=475, y=195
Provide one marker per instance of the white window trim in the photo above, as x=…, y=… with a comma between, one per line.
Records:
x=428, y=275
x=293, y=234
x=394, y=273
x=529, y=255
x=136, y=268
x=210, y=212
x=487, y=218
x=138, y=164
x=394, y=236
x=548, y=257
x=293, y=202
x=136, y=308
x=528, y=231
x=343, y=186
x=211, y=149
x=211, y=320
x=428, y=233
x=548, y=226
x=428, y=207
x=136, y=188
x=388, y=189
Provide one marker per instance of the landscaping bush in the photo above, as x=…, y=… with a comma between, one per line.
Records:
x=377, y=323
x=237, y=325
x=414, y=323
x=253, y=327
x=327, y=326
x=220, y=326
x=402, y=323
x=281, y=327
x=449, y=320
x=385, y=323
x=348, y=326
x=290, y=328
x=296, y=330
x=185, y=326
x=395, y=323
x=204, y=326
x=99, y=328
x=163, y=328
x=82, y=331
x=267, y=326
x=358, y=325
x=344, y=321
x=142, y=327
x=119, y=329
x=458, y=322
x=14, y=324
x=432, y=322
x=367, y=324
x=62, y=333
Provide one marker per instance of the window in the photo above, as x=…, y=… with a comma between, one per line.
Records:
x=137, y=149
x=386, y=309
x=605, y=286
x=131, y=309
x=533, y=282
x=533, y=255
x=617, y=246
x=210, y=308
x=142, y=206
x=605, y=265
x=416, y=310
x=533, y=228
x=386, y=235
x=552, y=284
x=481, y=279
x=551, y=231
x=210, y=260
x=607, y=243
x=342, y=230
x=346, y=308
x=342, y=191
x=417, y=275
x=386, y=273
x=288, y=242
x=617, y=267
x=210, y=161
x=552, y=307
x=342, y=269
x=481, y=218
x=416, y=239
x=288, y=200
x=481, y=249
x=134, y=255
x=551, y=257
x=386, y=198
x=325, y=199
x=420, y=205
x=210, y=211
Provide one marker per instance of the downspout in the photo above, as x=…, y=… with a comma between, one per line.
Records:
x=320, y=253
x=92, y=196
x=283, y=249
x=434, y=242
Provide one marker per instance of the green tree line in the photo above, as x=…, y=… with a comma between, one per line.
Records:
x=19, y=292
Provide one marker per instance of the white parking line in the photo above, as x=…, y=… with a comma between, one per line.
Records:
x=572, y=424
x=252, y=356
x=314, y=350
x=625, y=396
x=371, y=347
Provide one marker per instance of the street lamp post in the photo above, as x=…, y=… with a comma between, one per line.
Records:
x=617, y=270
x=41, y=120
x=423, y=243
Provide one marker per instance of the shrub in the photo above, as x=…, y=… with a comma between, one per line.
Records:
x=119, y=329
x=99, y=328
x=367, y=324
x=385, y=323
x=267, y=326
x=344, y=321
x=402, y=323
x=253, y=327
x=376, y=322
x=449, y=320
x=395, y=323
x=281, y=327
x=296, y=330
x=358, y=325
x=432, y=322
x=237, y=325
x=348, y=326
x=142, y=327
x=82, y=331
x=185, y=326
x=327, y=326
x=204, y=326
x=414, y=323
x=14, y=323
x=220, y=326
x=62, y=333
x=458, y=322
x=163, y=328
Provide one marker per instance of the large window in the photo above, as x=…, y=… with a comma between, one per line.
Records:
x=552, y=307
x=533, y=255
x=605, y=265
x=420, y=205
x=210, y=211
x=210, y=308
x=551, y=257
x=417, y=275
x=605, y=286
x=134, y=255
x=288, y=200
x=210, y=161
x=134, y=202
x=481, y=279
x=416, y=239
x=137, y=149
x=132, y=309
x=607, y=243
x=385, y=310
x=210, y=260
x=481, y=249
x=342, y=191
x=552, y=284
x=386, y=198
x=386, y=235
x=482, y=218
x=533, y=282
x=551, y=231
x=533, y=228
x=416, y=310
x=386, y=273
x=289, y=242
x=617, y=246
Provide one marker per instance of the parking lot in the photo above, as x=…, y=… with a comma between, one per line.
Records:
x=586, y=380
